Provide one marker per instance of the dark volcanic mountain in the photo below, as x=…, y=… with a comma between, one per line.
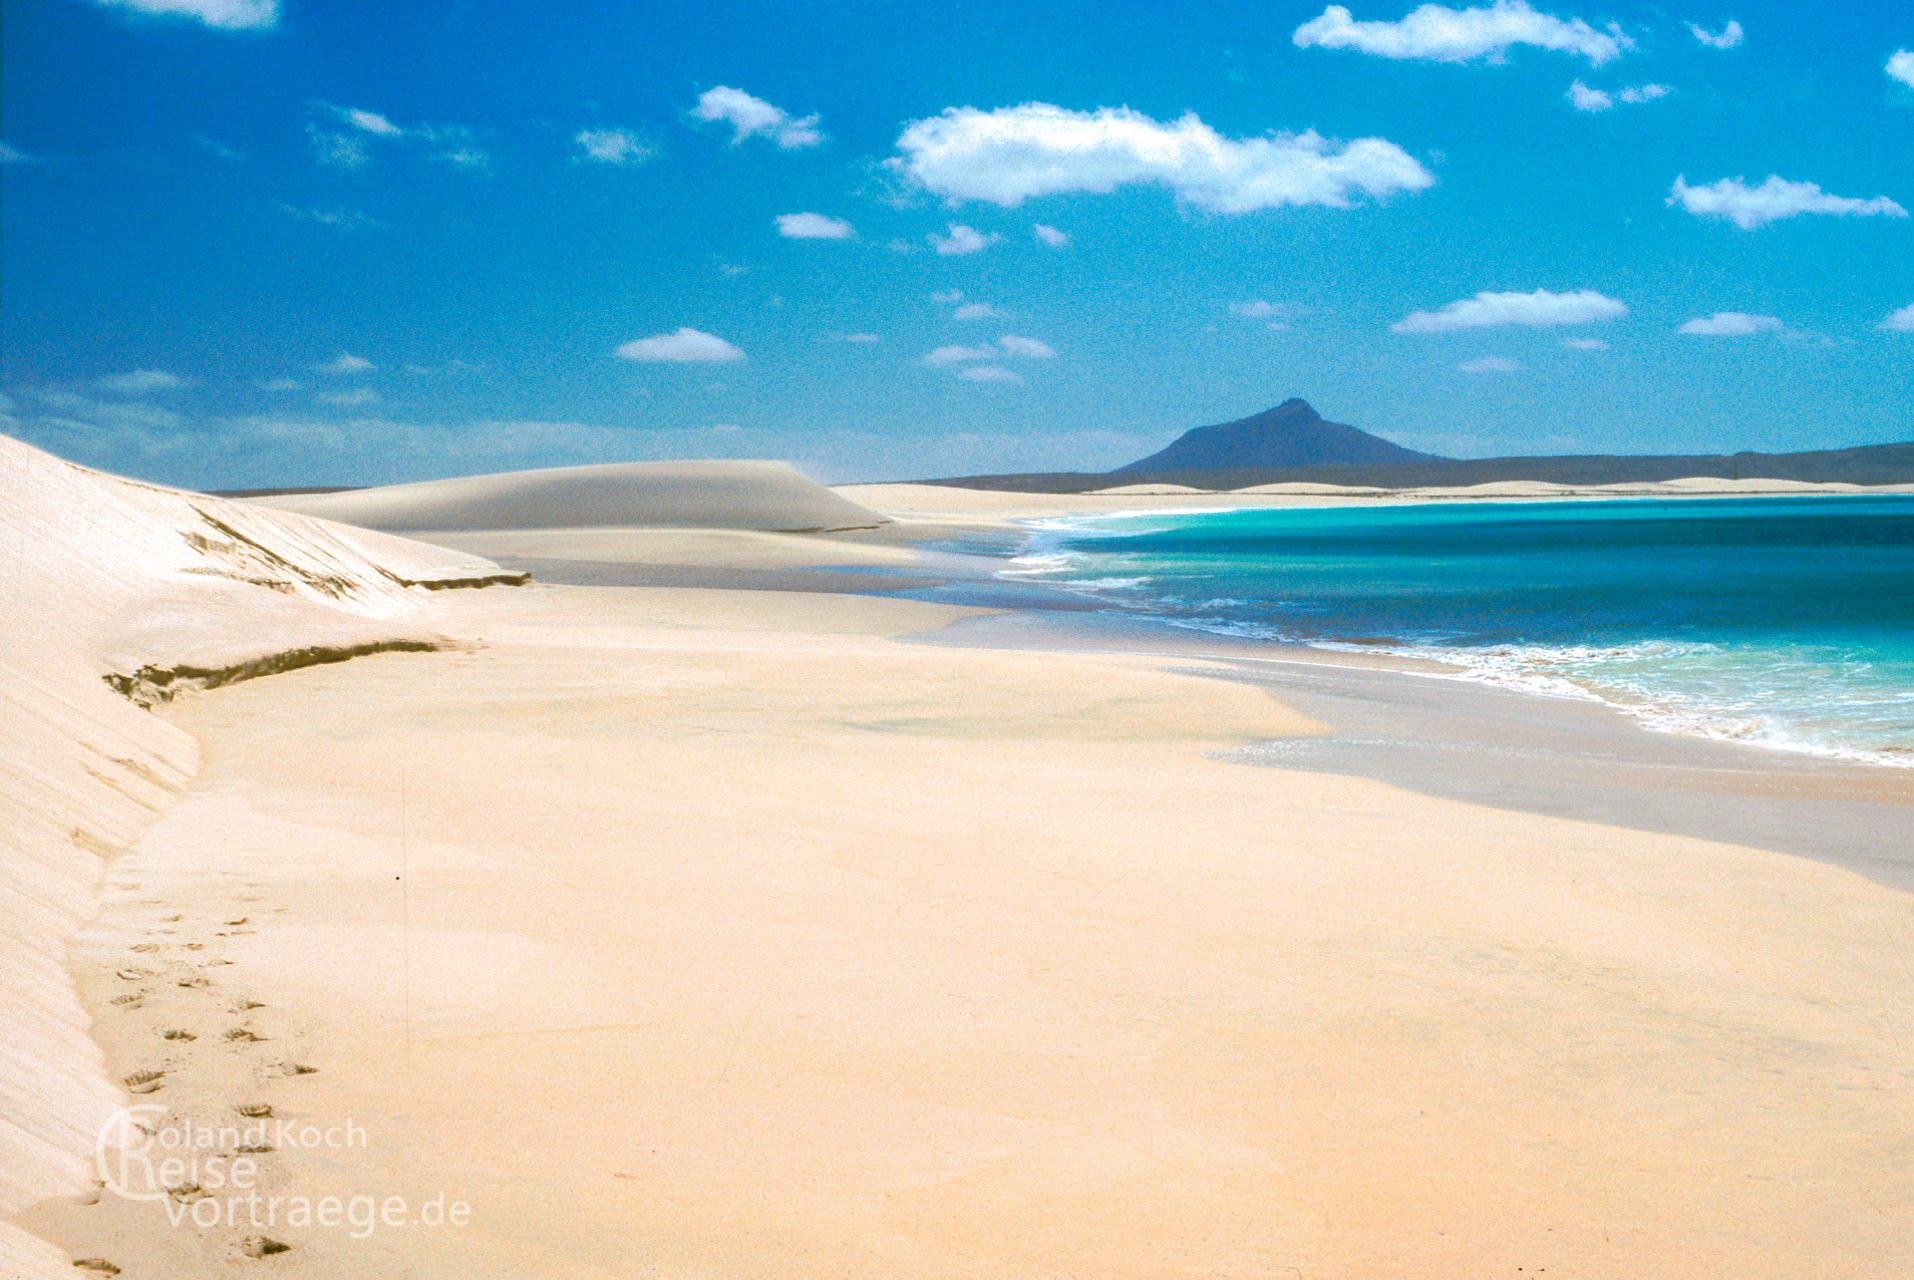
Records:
x=1290, y=435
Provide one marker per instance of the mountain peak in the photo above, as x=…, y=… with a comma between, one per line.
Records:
x=1292, y=434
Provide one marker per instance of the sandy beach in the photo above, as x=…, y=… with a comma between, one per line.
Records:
x=713, y=916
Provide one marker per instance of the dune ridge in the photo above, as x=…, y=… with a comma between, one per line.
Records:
x=768, y=496
x=120, y=593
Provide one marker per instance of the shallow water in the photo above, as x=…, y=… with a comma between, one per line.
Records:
x=1785, y=622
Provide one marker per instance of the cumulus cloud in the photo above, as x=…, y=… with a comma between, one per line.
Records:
x=345, y=362
x=337, y=216
x=1050, y=236
x=1731, y=324
x=1489, y=364
x=1025, y=348
x=1750, y=207
x=988, y=373
x=1726, y=38
x=1255, y=309
x=956, y=354
x=1584, y=344
x=862, y=338
x=341, y=138
x=1437, y=33
x=141, y=382
x=1587, y=99
x=1541, y=308
x=751, y=117
x=612, y=146
x=349, y=399
x=1901, y=321
x=813, y=226
x=225, y=15
x=1901, y=66
x=1010, y=345
x=962, y=239
x=975, y=311
x=685, y=346
x=1011, y=154
x=948, y=295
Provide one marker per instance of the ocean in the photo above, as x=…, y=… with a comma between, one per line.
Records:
x=1783, y=622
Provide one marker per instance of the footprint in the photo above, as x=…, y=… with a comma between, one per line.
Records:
x=262, y=1247
x=177, y=1033
x=300, y=1069
x=131, y=997
x=98, y=1266
x=240, y=1034
x=255, y=1110
x=142, y=1081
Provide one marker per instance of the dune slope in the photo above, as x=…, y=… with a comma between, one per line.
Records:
x=699, y=495
x=116, y=593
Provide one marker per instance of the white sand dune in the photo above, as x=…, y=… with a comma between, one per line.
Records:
x=1314, y=490
x=149, y=588
x=768, y=496
x=1149, y=490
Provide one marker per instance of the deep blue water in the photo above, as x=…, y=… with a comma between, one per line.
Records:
x=1782, y=621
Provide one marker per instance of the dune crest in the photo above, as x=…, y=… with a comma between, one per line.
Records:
x=768, y=496
x=115, y=585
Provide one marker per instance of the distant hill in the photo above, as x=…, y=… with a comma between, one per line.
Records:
x=1291, y=435
x=1292, y=443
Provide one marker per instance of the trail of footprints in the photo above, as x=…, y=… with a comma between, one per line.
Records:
x=174, y=1014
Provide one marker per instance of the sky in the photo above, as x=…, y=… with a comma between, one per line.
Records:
x=282, y=242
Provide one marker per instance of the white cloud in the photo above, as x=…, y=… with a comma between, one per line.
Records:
x=335, y=216
x=1900, y=65
x=1489, y=364
x=1584, y=344
x=141, y=382
x=612, y=146
x=975, y=311
x=226, y=15
x=1050, y=236
x=1901, y=321
x=685, y=346
x=862, y=338
x=342, y=140
x=948, y=295
x=988, y=373
x=1255, y=309
x=955, y=354
x=278, y=384
x=1749, y=207
x=1026, y=348
x=1437, y=33
x=813, y=226
x=345, y=362
x=369, y=122
x=1731, y=324
x=1727, y=38
x=962, y=239
x=13, y=155
x=1488, y=310
x=1011, y=154
x=1587, y=99
x=752, y=117
x=349, y=399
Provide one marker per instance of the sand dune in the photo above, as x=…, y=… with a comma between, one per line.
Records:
x=699, y=495
x=1149, y=490
x=149, y=588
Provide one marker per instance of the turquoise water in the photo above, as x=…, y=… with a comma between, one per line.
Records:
x=1787, y=622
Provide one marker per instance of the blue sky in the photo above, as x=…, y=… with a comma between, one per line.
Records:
x=248, y=242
